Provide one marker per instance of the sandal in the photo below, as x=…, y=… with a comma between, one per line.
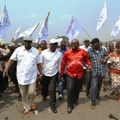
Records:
x=34, y=107
x=26, y=111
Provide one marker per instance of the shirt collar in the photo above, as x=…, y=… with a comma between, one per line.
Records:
x=96, y=50
x=52, y=52
x=27, y=50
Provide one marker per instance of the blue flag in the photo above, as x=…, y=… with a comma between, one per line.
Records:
x=43, y=33
x=73, y=29
x=4, y=23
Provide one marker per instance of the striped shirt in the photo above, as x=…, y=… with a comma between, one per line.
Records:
x=98, y=68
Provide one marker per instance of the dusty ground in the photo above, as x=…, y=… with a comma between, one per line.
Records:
x=10, y=109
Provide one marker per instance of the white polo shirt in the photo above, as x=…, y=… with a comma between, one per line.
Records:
x=26, y=64
x=50, y=62
x=84, y=48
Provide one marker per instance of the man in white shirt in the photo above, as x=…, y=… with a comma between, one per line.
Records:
x=50, y=67
x=28, y=65
x=86, y=45
x=86, y=77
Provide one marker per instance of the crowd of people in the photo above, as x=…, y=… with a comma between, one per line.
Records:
x=65, y=66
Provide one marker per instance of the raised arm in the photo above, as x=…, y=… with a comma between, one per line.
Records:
x=9, y=63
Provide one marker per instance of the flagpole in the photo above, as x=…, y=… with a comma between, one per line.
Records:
x=35, y=29
x=107, y=32
x=107, y=24
x=46, y=20
x=86, y=32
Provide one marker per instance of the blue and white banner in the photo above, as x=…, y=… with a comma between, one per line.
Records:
x=28, y=32
x=116, y=28
x=102, y=17
x=4, y=23
x=17, y=33
x=43, y=33
x=73, y=29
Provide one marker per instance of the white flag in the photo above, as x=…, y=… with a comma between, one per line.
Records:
x=17, y=33
x=73, y=29
x=102, y=17
x=43, y=33
x=28, y=32
x=4, y=23
x=116, y=28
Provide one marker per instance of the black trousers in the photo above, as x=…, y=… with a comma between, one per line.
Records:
x=12, y=74
x=46, y=82
x=2, y=84
x=73, y=90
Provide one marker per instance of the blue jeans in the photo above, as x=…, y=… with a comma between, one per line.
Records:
x=73, y=90
x=96, y=84
x=88, y=82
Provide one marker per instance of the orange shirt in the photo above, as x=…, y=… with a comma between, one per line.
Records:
x=39, y=50
x=74, y=61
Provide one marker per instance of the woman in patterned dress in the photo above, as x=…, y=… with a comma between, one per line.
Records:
x=114, y=65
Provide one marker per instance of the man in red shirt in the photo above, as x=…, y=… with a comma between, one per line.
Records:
x=74, y=60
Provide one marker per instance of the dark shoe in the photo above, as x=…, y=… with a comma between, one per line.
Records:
x=19, y=97
x=43, y=99
x=69, y=109
x=104, y=89
x=88, y=96
x=60, y=97
x=53, y=109
x=16, y=89
x=92, y=106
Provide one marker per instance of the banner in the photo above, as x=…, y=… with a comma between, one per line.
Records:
x=116, y=28
x=17, y=33
x=102, y=17
x=4, y=23
x=28, y=32
x=73, y=29
x=43, y=33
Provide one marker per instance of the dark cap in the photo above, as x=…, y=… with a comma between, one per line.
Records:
x=95, y=40
x=86, y=40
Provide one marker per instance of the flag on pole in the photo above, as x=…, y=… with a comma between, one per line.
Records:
x=116, y=28
x=73, y=29
x=4, y=23
x=43, y=33
x=28, y=32
x=102, y=17
x=17, y=33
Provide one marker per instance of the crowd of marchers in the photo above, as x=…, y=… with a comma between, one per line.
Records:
x=51, y=67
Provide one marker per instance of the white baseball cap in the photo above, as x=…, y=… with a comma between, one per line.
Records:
x=27, y=39
x=53, y=41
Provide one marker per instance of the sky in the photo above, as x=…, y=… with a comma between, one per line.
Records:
x=26, y=13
